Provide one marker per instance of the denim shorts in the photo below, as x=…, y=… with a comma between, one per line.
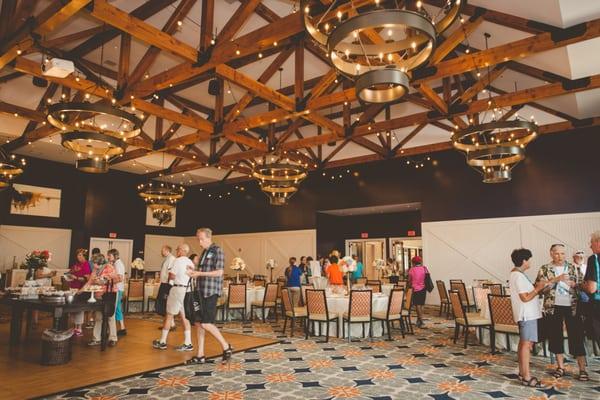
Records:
x=528, y=330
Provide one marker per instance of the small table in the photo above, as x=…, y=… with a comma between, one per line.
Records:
x=59, y=313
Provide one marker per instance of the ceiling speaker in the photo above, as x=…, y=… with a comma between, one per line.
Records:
x=39, y=82
x=214, y=88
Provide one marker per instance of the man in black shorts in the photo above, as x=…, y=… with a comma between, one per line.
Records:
x=210, y=287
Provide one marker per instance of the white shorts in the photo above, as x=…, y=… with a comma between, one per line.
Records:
x=175, y=300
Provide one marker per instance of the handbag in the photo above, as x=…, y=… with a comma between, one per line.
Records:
x=192, y=303
x=428, y=282
x=109, y=298
x=160, y=305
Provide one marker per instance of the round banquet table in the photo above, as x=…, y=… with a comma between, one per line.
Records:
x=338, y=304
x=386, y=288
x=253, y=293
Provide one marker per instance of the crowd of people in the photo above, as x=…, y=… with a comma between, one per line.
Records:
x=564, y=294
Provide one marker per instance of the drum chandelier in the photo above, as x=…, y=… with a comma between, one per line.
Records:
x=279, y=179
x=10, y=168
x=378, y=43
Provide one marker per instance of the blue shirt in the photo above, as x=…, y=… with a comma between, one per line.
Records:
x=294, y=277
x=359, y=271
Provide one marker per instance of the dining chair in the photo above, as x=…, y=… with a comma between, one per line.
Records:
x=501, y=315
x=152, y=297
x=361, y=281
x=444, y=301
x=360, y=311
x=290, y=312
x=393, y=312
x=495, y=288
x=236, y=299
x=303, y=290
x=269, y=302
x=375, y=285
x=259, y=282
x=464, y=319
x=406, y=307
x=402, y=284
x=460, y=287
x=135, y=293
x=317, y=311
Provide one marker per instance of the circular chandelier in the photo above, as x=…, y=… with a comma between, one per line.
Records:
x=93, y=149
x=378, y=43
x=94, y=131
x=160, y=197
x=10, y=168
x=495, y=148
x=279, y=179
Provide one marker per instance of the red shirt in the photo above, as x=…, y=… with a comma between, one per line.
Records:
x=335, y=275
x=79, y=270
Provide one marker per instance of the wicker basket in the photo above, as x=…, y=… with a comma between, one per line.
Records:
x=56, y=352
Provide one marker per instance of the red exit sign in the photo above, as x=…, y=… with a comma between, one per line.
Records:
x=112, y=235
x=364, y=235
x=411, y=233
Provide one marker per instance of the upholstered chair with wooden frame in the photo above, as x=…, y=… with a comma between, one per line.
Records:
x=464, y=319
x=135, y=293
x=259, y=282
x=501, y=314
x=406, y=307
x=444, y=301
x=402, y=284
x=375, y=285
x=393, y=312
x=269, y=302
x=318, y=312
x=495, y=288
x=361, y=281
x=303, y=290
x=462, y=292
x=290, y=312
x=360, y=311
x=236, y=299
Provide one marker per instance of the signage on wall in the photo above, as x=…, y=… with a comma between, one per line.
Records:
x=112, y=235
x=412, y=233
x=364, y=235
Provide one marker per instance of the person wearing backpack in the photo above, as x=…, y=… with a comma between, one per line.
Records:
x=416, y=279
x=592, y=274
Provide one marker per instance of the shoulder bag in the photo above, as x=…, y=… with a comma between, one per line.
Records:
x=428, y=282
x=192, y=303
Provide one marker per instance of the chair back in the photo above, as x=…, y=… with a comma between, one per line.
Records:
x=270, y=293
x=316, y=303
x=456, y=280
x=460, y=287
x=500, y=310
x=361, y=281
x=285, y=299
x=303, y=290
x=280, y=285
x=237, y=294
x=360, y=304
x=402, y=284
x=495, y=288
x=442, y=291
x=408, y=299
x=135, y=289
x=480, y=297
x=385, y=280
x=375, y=286
x=396, y=302
x=259, y=282
x=456, y=304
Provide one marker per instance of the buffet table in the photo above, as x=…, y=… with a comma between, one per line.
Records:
x=59, y=313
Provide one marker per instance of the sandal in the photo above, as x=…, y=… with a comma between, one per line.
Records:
x=558, y=373
x=227, y=354
x=195, y=361
x=583, y=376
x=533, y=382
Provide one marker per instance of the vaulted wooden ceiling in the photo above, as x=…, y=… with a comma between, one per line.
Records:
x=277, y=87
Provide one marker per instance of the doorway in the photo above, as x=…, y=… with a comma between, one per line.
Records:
x=367, y=251
x=124, y=246
x=403, y=249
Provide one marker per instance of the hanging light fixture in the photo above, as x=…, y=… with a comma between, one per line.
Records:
x=11, y=167
x=378, y=43
x=93, y=149
x=279, y=179
x=161, y=198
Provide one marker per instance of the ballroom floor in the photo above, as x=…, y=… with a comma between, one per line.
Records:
x=425, y=365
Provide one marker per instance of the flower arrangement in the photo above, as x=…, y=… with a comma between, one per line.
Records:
x=138, y=264
x=347, y=264
x=271, y=264
x=37, y=259
x=237, y=264
x=379, y=264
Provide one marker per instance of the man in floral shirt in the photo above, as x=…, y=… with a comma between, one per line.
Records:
x=560, y=307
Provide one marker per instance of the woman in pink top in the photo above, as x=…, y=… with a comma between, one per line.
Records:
x=416, y=280
x=79, y=274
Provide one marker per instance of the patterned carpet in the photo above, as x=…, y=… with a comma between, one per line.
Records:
x=426, y=365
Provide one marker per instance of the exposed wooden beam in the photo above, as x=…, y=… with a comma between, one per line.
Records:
x=142, y=30
x=367, y=144
x=207, y=24
x=455, y=38
x=124, y=57
x=432, y=96
x=195, y=122
x=237, y=20
x=73, y=37
x=408, y=138
x=481, y=84
x=21, y=112
x=48, y=94
x=8, y=10
x=299, y=71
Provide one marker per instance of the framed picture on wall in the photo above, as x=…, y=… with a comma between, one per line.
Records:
x=35, y=201
x=165, y=219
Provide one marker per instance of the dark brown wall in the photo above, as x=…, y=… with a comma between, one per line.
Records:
x=559, y=176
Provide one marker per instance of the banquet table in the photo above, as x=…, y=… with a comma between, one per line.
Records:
x=338, y=304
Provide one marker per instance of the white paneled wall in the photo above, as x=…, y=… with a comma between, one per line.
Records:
x=20, y=240
x=254, y=248
x=480, y=249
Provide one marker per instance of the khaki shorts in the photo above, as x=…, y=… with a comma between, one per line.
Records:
x=175, y=300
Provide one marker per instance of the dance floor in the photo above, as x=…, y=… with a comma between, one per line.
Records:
x=426, y=365
x=24, y=377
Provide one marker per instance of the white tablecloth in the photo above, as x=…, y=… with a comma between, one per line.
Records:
x=150, y=289
x=339, y=304
x=386, y=288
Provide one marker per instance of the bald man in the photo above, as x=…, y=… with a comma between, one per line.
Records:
x=177, y=275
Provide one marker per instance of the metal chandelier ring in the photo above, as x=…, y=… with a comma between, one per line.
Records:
x=463, y=139
x=382, y=86
x=78, y=141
